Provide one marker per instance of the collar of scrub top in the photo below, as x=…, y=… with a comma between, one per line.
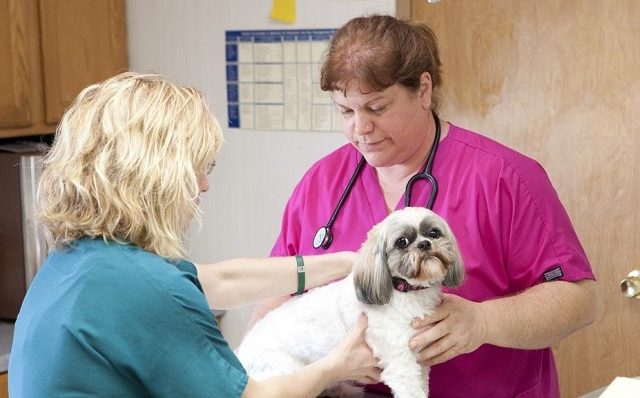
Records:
x=324, y=237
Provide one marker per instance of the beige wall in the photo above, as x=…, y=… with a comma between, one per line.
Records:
x=256, y=170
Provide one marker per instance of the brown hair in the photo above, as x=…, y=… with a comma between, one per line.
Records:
x=378, y=51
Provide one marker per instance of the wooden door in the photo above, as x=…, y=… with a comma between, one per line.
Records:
x=560, y=81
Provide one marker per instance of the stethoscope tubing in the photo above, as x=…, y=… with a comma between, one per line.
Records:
x=345, y=193
x=426, y=172
x=324, y=237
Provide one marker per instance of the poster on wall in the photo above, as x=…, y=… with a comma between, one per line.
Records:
x=273, y=80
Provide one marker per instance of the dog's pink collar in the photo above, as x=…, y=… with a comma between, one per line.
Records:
x=403, y=286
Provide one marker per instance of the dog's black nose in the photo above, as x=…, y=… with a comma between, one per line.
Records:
x=424, y=245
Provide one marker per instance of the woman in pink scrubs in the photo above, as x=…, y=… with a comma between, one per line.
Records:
x=528, y=281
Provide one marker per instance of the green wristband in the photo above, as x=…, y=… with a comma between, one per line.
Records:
x=300, y=268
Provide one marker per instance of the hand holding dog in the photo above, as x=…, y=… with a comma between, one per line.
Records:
x=405, y=261
x=457, y=326
x=353, y=358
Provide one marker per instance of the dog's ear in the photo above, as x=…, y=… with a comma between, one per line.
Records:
x=371, y=274
x=455, y=268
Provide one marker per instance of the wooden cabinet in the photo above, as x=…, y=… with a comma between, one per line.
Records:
x=49, y=51
x=4, y=389
x=18, y=57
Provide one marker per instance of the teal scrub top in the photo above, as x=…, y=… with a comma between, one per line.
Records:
x=106, y=319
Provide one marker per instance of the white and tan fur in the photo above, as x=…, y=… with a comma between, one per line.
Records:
x=414, y=244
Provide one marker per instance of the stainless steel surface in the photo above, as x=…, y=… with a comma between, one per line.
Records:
x=35, y=247
x=6, y=336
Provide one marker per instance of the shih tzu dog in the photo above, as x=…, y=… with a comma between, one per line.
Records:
x=397, y=277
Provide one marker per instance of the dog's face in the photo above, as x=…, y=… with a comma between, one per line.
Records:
x=414, y=244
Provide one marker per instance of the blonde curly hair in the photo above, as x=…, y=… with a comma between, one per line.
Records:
x=125, y=164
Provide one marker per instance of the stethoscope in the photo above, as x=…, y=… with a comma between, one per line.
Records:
x=324, y=237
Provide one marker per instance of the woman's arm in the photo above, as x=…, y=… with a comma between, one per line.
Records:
x=536, y=318
x=352, y=359
x=541, y=316
x=244, y=281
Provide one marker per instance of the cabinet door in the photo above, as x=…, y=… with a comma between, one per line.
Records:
x=83, y=42
x=16, y=76
x=4, y=393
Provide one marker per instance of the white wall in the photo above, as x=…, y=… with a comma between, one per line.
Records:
x=256, y=170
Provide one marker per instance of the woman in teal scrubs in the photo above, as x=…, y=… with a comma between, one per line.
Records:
x=115, y=311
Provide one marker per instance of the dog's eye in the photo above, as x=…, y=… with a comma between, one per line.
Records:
x=435, y=233
x=402, y=242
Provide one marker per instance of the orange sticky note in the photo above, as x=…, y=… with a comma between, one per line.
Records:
x=284, y=11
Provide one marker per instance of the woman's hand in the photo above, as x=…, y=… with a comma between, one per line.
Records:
x=352, y=359
x=536, y=318
x=457, y=326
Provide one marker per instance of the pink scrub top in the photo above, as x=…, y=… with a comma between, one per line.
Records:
x=510, y=225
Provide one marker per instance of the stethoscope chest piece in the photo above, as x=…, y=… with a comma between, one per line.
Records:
x=323, y=238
